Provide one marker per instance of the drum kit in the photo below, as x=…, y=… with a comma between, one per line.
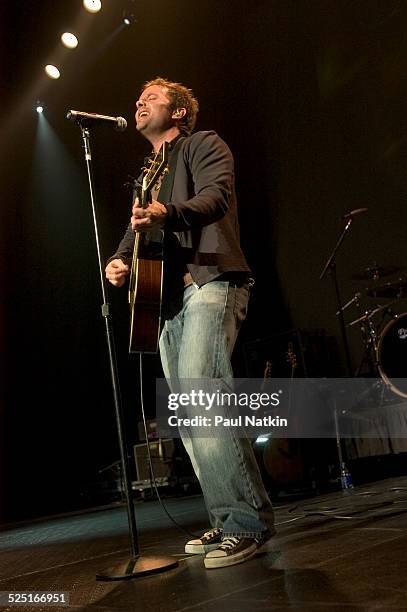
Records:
x=383, y=331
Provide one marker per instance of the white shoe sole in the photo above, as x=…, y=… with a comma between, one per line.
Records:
x=196, y=549
x=225, y=561
x=215, y=562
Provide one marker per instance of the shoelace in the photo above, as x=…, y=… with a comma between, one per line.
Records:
x=228, y=543
x=211, y=533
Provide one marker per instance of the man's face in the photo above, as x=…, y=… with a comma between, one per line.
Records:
x=153, y=111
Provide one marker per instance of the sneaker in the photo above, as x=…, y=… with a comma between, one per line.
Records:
x=207, y=542
x=235, y=550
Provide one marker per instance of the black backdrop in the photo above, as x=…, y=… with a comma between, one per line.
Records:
x=310, y=95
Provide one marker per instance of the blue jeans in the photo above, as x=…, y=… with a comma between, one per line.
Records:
x=197, y=341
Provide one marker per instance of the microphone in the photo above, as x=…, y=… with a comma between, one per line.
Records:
x=352, y=213
x=119, y=123
x=356, y=297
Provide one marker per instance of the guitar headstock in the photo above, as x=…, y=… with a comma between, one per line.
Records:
x=291, y=356
x=157, y=167
x=268, y=369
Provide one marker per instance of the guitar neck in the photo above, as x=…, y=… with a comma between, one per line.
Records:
x=145, y=197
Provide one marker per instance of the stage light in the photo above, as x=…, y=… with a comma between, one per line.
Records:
x=52, y=71
x=263, y=439
x=69, y=40
x=93, y=6
x=39, y=107
x=128, y=18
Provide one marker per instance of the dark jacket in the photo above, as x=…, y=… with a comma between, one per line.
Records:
x=202, y=228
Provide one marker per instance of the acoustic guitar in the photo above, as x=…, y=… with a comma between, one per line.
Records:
x=146, y=273
x=282, y=457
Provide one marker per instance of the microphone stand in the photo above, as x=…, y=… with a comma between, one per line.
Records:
x=346, y=478
x=331, y=267
x=137, y=565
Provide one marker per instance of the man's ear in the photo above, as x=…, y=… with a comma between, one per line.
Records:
x=179, y=113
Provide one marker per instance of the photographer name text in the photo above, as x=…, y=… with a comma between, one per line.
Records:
x=221, y=421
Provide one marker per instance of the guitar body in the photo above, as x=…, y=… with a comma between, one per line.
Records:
x=283, y=458
x=146, y=275
x=145, y=316
x=284, y=462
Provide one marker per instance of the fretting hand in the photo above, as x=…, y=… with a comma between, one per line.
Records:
x=148, y=219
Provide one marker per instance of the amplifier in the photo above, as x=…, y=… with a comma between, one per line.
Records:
x=151, y=426
x=162, y=451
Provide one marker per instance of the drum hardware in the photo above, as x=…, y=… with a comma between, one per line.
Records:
x=371, y=313
x=373, y=334
x=396, y=289
x=374, y=272
x=370, y=332
x=369, y=339
x=385, y=347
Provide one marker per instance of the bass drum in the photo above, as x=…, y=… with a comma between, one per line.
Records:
x=392, y=354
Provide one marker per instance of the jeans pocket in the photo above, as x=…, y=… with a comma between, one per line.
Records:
x=241, y=303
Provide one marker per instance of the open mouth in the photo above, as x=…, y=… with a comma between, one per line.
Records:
x=143, y=113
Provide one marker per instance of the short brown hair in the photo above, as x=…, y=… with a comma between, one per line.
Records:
x=181, y=97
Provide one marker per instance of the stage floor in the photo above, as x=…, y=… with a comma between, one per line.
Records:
x=333, y=552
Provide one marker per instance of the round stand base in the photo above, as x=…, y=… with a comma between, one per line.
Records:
x=135, y=568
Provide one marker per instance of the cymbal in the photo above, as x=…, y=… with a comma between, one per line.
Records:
x=397, y=289
x=374, y=272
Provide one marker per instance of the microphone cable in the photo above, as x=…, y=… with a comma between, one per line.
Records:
x=150, y=461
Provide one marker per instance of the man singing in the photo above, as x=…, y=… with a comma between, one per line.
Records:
x=205, y=302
